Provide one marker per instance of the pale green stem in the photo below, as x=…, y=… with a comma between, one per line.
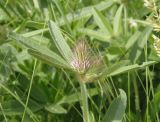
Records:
x=147, y=87
x=5, y=118
x=29, y=91
x=129, y=102
x=84, y=102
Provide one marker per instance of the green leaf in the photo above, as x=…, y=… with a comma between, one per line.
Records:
x=56, y=109
x=13, y=107
x=29, y=111
x=117, y=20
x=48, y=58
x=116, y=109
x=154, y=107
x=41, y=52
x=76, y=96
x=115, y=66
x=95, y=34
x=60, y=42
x=102, y=22
x=132, y=40
x=139, y=45
x=85, y=12
x=123, y=69
x=36, y=32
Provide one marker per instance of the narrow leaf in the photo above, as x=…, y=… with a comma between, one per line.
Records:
x=60, y=42
x=102, y=22
x=139, y=45
x=132, y=40
x=117, y=20
x=116, y=109
x=13, y=107
x=130, y=68
x=40, y=51
x=95, y=34
x=85, y=12
x=56, y=109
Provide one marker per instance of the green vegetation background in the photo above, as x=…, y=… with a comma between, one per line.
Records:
x=40, y=90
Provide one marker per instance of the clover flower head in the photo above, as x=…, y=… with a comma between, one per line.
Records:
x=133, y=23
x=84, y=60
x=81, y=60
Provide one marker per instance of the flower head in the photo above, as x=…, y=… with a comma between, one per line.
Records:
x=84, y=61
x=133, y=23
x=156, y=44
x=149, y=4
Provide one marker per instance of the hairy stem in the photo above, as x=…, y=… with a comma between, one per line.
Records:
x=84, y=102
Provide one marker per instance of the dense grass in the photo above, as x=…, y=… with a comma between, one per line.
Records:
x=40, y=41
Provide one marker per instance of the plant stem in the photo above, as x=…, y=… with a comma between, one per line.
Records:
x=29, y=90
x=147, y=86
x=129, y=102
x=84, y=102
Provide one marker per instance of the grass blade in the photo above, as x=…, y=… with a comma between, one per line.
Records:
x=139, y=45
x=132, y=40
x=117, y=20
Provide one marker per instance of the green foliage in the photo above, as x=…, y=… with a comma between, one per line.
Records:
x=38, y=82
x=117, y=108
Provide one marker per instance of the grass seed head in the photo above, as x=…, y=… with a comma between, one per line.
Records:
x=156, y=44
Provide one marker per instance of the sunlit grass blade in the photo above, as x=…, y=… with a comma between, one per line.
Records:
x=117, y=21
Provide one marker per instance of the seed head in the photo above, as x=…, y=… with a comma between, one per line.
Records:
x=156, y=44
x=84, y=60
x=81, y=59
